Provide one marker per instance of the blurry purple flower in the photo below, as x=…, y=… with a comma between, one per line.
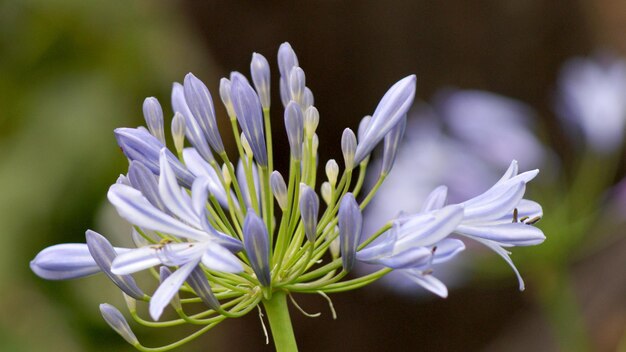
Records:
x=592, y=95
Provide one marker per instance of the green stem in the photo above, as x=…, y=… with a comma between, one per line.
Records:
x=555, y=294
x=280, y=322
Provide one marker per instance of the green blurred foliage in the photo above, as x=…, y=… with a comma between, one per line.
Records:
x=70, y=72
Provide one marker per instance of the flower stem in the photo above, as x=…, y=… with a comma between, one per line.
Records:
x=280, y=322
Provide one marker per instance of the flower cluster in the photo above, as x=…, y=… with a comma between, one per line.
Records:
x=209, y=231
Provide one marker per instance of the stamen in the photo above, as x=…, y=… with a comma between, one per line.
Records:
x=533, y=220
x=267, y=338
x=515, y=215
x=315, y=315
x=330, y=304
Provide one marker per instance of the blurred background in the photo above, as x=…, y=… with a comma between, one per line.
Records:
x=71, y=71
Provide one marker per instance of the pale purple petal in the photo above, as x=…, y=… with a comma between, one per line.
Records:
x=392, y=107
x=136, y=260
x=173, y=196
x=64, y=261
x=193, y=131
x=430, y=283
x=436, y=199
x=512, y=234
x=136, y=209
x=169, y=288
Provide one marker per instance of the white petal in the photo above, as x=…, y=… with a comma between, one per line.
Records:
x=199, y=195
x=494, y=203
x=219, y=258
x=136, y=209
x=411, y=258
x=510, y=172
x=135, y=260
x=168, y=289
x=171, y=193
x=430, y=283
x=436, y=199
x=511, y=234
x=175, y=254
x=445, y=222
x=447, y=249
x=200, y=168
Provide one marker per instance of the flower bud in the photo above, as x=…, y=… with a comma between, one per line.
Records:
x=256, y=243
x=279, y=188
x=309, y=209
x=200, y=104
x=311, y=120
x=138, y=144
x=245, y=187
x=145, y=182
x=287, y=59
x=249, y=114
x=226, y=175
x=104, y=254
x=332, y=171
x=117, y=322
x=392, y=107
x=350, y=223
x=178, y=132
x=153, y=114
x=392, y=142
x=363, y=127
x=348, y=148
x=225, y=96
x=246, y=146
x=297, y=83
x=284, y=92
x=260, y=71
x=193, y=130
x=294, y=124
x=335, y=245
x=199, y=283
x=315, y=143
x=53, y=262
x=307, y=99
x=327, y=192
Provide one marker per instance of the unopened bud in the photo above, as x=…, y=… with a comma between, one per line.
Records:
x=178, y=132
x=348, y=148
x=117, y=322
x=311, y=120
x=279, y=189
x=332, y=171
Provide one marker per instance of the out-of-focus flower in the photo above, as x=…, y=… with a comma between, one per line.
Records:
x=463, y=141
x=591, y=97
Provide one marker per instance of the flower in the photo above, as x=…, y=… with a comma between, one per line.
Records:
x=591, y=97
x=500, y=217
x=209, y=226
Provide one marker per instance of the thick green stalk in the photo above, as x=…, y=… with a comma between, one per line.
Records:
x=280, y=322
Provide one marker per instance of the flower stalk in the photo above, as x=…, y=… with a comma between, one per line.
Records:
x=280, y=322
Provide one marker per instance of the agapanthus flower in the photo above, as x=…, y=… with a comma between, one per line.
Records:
x=207, y=227
x=591, y=98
